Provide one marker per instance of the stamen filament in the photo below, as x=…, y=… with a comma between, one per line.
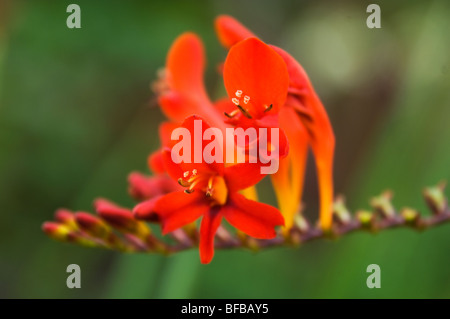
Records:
x=268, y=108
x=184, y=183
x=210, y=187
x=244, y=111
x=232, y=114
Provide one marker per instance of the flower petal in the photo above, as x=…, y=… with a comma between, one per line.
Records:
x=288, y=181
x=210, y=222
x=242, y=175
x=186, y=92
x=175, y=167
x=260, y=73
x=178, y=209
x=185, y=65
x=230, y=31
x=305, y=101
x=155, y=162
x=146, y=210
x=165, y=131
x=255, y=219
x=143, y=187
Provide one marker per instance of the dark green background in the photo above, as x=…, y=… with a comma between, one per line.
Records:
x=77, y=115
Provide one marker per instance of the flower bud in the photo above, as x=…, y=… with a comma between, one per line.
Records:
x=66, y=217
x=120, y=218
x=144, y=210
x=142, y=187
x=435, y=198
x=56, y=230
x=92, y=225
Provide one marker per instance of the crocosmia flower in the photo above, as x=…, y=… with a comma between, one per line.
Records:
x=212, y=193
x=255, y=78
x=305, y=122
x=271, y=103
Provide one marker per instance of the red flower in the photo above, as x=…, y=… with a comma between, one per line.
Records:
x=180, y=90
x=305, y=122
x=256, y=80
x=212, y=194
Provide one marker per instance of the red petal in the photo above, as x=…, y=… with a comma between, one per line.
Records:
x=255, y=219
x=179, y=105
x=174, y=106
x=242, y=175
x=165, y=132
x=230, y=31
x=314, y=117
x=187, y=95
x=260, y=73
x=175, y=170
x=288, y=181
x=178, y=209
x=269, y=122
x=210, y=222
x=146, y=210
x=298, y=78
x=155, y=162
x=143, y=187
x=185, y=65
x=224, y=105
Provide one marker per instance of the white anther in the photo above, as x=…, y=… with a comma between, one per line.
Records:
x=194, y=172
x=246, y=99
x=186, y=174
x=238, y=93
x=235, y=101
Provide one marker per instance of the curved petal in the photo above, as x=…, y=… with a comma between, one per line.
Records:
x=185, y=65
x=194, y=158
x=184, y=76
x=242, y=175
x=224, y=105
x=165, y=131
x=146, y=210
x=288, y=181
x=230, y=31
x=175, y=106
x=143, y=187
x=305, y=101
x=260, y=73
x=298, y=78
x=210, y=222
x=155, y=162
x=178, y=209
x=255, y=219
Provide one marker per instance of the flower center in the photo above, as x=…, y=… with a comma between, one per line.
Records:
x=242, y=102
x=212, y=185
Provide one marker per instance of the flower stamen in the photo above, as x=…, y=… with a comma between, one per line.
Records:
x=209, y=189
x=183, y=182
x=232, y=114
x=244, y=111
x=268, y=108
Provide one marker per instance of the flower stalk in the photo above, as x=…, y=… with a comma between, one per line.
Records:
x=97, y=232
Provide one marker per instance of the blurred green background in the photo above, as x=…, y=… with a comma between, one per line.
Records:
x=77, y=115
